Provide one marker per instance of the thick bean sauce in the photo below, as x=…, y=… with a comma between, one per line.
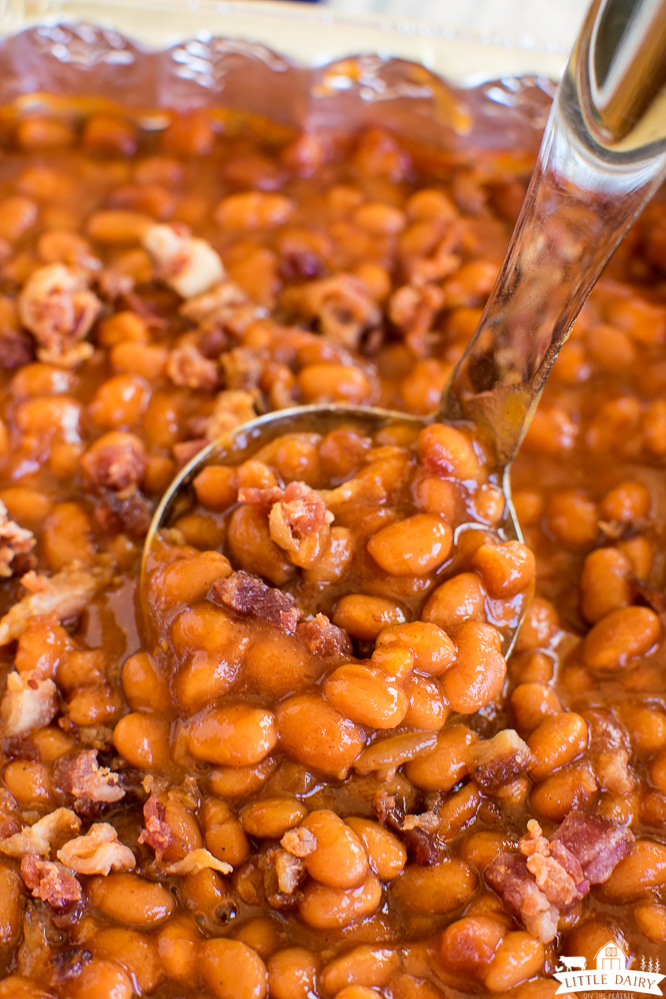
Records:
x=312, y=772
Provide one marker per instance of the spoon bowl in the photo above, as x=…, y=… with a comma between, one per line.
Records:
x=602, y=157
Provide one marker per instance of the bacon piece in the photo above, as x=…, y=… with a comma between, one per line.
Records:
x=499, y=761
x=58, y=308
x=249, y=596
x=14, y=540
x=157, y=833
x=66, y=594
x=130, y=512
x=116, y=461
x=298, y=519
x=52, y=882
x=546, y=877
x=597, y=843
x=188, y=367
x=98, y=852
x=289, y=870
x=29, y=703
x=80, y=776
x=509, y=876
x=196, y=861
x=16, y=349
x=341, y=305
x=609, y=748
x=39, y=838
x=188, y=265
x=299, y=842
x=323, y=638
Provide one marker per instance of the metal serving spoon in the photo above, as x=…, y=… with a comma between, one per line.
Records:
x=602, y=156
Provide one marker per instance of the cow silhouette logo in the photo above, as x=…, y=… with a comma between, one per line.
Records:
x=610, y=973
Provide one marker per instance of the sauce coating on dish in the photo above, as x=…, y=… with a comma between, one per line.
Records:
x=318, y=776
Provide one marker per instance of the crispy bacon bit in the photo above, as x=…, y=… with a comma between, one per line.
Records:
x=29, y=703
x=232, y=408
x=413, y=310
x=66, y=594
x=117, y=461
x=216, y=305
x=188, y=265
x=50, y=881
x=499, y=761
x=80, y=775
x=56, y=827
x=58, y=308
x=98, y=852
x=546, y=877
x=341, y=306
x=14, y=540
x=130, y=513
x=196, y=861
x=187, y=366
x=299, y=842
x=158, y=833
x=597, y=843
x=323, y=638
x=289, y=870
x=249, y=596
x=298, y=520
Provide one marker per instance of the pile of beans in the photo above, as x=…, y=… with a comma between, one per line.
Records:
x=302, y=773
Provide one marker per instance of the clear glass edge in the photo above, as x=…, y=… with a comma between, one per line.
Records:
x=310, y=35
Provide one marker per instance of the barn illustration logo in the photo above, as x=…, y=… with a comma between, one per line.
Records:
x=610, y=975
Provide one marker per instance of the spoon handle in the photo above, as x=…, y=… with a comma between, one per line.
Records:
x=602, y=156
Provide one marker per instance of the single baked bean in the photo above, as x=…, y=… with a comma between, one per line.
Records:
x=238, y=734
x=364, y=616
x=177, y=946
x=253, y=210
x=189, y=579
x=604, y=584
x=459, y=599
x=262, y=934
x=269, y=818
x=412, y=547
x=440, y=768
x=438, y=889
x=531, y=703
x=477, y=677
x=17, y=216
x=11, y=902
x=119, y=402
x=447, y=451
x=571, y=787
x=385, y=852
x=386, y=755
x=43, y=133
x=237, y=782
x=518, y=957
x=364, y=966
x=101, y=979
x=325, y=908
x=650, y=918
x=338, y=859
x=636, y=875
x=479, y=848
x=557, y=741
x=505, y=568
x=435, y=495
x=432, y=649
x=136, y=953
x=646, y=724
x=627, y=502
x=223, y=833
x=333, y=383
x=540, y=625
x=128, y=898
x=468, y=945
x=29, y=782
x=366, y=696
x=573, y=518
x=292, y=973
x=143, y=740
x=626, y=632
x=427, y=707
x=117, y=226
x=232, y=970
x=333, y=742
x=251, y=547
x=18, y=987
